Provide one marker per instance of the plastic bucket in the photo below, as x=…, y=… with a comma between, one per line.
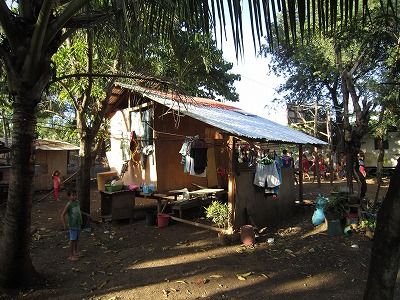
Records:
x=162, y=220
x=150, y=218
x=334, y=228
x=247, y=235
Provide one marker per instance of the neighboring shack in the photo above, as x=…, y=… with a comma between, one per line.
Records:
x=52, y=155
x=163, y=121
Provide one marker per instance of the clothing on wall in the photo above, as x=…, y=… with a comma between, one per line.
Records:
x=185, y=150
x=278, y=165
x=140, y=122
x=194, y=156
x=268, y=174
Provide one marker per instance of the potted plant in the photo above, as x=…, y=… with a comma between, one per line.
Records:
x=335, y=210
x=218, y=213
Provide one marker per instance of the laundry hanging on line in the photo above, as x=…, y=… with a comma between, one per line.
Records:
x=194, y=156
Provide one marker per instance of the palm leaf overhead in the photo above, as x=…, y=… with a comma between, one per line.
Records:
x=157, y=17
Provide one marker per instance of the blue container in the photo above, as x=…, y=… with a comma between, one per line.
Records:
x=318, y=217
x=334, y=228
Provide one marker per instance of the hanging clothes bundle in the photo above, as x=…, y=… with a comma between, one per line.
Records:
x=194, y=156
x=267, y=175
x=134, y=148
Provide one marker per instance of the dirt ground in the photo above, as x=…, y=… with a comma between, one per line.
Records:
x=134, y=261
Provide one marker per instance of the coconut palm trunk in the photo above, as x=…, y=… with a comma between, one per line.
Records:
x=15, y=262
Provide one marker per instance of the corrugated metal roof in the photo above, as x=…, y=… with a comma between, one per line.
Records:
x=227, y=117
x=43, y=144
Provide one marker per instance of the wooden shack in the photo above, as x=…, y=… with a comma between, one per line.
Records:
x=147, y=131
x=51, y=155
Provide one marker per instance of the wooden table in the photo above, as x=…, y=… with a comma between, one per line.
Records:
x=117, y=205
x=206, y=192
x=172, y=197
x=197, y=198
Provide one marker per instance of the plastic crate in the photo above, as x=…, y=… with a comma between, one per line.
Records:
x=113, y=188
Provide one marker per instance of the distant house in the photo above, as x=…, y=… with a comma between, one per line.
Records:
x=370, y=147
x=148, y=129
x=53, y=155
x=49, y=156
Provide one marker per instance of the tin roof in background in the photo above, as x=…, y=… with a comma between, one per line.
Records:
x=220, y=115
x=43, y=144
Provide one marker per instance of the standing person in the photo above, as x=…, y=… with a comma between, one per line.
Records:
x=305, y=164
x=56, y=184
x=361, y=174
x=322, y=165
x=287, y=160
x=73, y=212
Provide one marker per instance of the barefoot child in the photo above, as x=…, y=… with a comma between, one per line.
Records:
x=73, y=212
x=56, y=184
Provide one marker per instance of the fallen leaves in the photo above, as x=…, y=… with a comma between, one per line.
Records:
x=103, y=284
x=181, y=281
x=243, y=276
x=216, y=276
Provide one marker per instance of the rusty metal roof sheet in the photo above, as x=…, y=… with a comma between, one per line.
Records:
x=43, y=144
x=227, y=117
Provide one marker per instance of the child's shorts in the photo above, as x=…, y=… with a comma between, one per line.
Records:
x=73, y=234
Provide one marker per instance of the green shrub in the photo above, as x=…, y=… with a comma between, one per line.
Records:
x=218, y=213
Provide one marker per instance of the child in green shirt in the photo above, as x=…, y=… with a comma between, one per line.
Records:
x=73, y=212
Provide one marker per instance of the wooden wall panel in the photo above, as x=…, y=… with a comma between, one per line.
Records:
x=170, y=174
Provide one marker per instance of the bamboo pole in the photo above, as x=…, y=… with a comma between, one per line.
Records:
x=301, y=197
x=49, y=193
x=198, y=224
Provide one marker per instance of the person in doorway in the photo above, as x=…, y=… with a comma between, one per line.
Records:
x=73, y=212
x=56, y=184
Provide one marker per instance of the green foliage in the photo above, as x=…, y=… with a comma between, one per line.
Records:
x=336, y=205
x=218, y=213
x=370, y=224
x=190, y=59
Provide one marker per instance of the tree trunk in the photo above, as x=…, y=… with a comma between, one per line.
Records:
x=379, y=168
x=6, y=134
x=347, y=136
x=85, y=163
x=16, y=267
x=385, y=255
x=381, y=156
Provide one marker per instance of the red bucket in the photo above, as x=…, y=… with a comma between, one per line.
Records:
x=247, y=235
x=162, y=220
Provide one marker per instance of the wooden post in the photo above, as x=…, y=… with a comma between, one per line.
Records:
x=231, y=183
x=300, y=173
x=316, y=160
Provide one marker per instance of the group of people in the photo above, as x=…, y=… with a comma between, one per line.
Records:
x=317, y=162
x=338, y=166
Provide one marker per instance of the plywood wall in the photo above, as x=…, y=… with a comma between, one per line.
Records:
x=265, y=211
x=169, y=168
x=55, y=160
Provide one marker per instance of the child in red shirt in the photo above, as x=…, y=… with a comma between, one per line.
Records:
x=56, y=184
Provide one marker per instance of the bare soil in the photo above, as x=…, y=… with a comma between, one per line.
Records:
x=134, y=261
